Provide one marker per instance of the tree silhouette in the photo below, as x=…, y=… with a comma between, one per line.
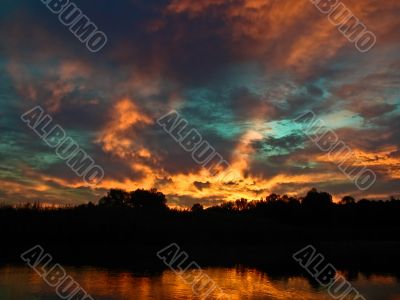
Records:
x=315, y=199
x=197, y=208
x=272, y=198
x=241, y=204
x=152, y=200
x=346, y=200
x=115, y=198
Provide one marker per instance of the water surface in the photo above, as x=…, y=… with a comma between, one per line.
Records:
x=21, y=283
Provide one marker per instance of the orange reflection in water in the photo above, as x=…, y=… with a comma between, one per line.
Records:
x=21, y=283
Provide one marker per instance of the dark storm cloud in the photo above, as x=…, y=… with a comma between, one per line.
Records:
x=201, y=185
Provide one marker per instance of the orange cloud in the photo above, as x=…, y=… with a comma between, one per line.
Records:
x=289, y=34
x=242, y=154
x=192, y=7
x=115, y=137
x=57, y=85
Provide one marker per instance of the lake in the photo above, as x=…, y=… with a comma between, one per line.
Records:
x=22, y=283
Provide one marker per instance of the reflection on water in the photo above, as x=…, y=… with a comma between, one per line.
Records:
x=20, y=283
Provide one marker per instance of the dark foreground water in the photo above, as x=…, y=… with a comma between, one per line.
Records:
x=21, y=283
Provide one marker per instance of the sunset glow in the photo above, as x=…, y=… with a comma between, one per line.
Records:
x=239, y=72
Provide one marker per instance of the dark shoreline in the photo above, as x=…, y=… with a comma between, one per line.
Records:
x=128, y=229
x=351, y=257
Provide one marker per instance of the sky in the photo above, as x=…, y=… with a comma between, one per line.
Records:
x=238, y=71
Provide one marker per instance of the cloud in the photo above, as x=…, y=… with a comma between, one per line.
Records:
x=118, y=135
x=239, y=71
x=201, y=185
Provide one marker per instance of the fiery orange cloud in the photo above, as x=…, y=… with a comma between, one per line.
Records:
x=125, y=115
x=246, y=186
x=242, y=154
x=380, y=159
